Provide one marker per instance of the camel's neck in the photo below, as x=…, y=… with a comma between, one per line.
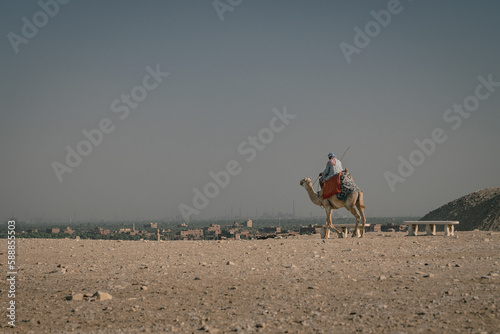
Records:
x=313, y=195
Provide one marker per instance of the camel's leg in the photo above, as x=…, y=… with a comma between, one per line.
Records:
x=328, y=211
x=358, y=217
x=361, y=208
x=350, y=206
x=336, y=229
x=329, y=222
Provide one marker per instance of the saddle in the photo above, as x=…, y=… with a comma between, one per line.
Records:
x=332, y=186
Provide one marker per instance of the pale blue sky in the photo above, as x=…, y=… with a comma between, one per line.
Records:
x=225, y=79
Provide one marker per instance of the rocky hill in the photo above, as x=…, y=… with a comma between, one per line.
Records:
x=477, y=210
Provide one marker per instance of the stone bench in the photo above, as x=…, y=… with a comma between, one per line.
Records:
x=344, y=228
x=430, y=226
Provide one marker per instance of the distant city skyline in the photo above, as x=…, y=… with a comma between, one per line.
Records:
x=167, y=109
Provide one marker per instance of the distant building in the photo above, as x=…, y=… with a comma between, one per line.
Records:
x=182, y=225
x=68, y=230
x=125, y=230
x=192, y=234
x=271, y=229
x=248, y=223
x=101, y=231
x=374, y=228
x=213, y=228
x=311, y=229
x=151, y=225
x=245, y=234
x=213, y=231
x=32, y=230
x=53, y=230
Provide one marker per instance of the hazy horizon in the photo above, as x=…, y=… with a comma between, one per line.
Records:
x=121, y=112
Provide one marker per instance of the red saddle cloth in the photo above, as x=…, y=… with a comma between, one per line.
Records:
x=331, y=187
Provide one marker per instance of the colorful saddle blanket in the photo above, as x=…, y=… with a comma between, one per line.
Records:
x=331, y=186
x=341, y=184
x=347, y=186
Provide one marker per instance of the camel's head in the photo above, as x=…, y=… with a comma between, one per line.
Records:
x=306, y=181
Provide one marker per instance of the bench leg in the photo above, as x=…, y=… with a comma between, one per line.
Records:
x=345, y=232
x=431, y=229
x=412, y=230
x=450, y=230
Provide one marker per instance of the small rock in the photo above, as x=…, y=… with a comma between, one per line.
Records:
x=230, y=263
x=429, y=275
x=99, y=295
x=144, y=287
x=381, y=278
x=77, y=296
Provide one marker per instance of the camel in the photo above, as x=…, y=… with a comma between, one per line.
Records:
x=353, y=201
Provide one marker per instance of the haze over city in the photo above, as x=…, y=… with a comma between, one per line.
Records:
x=114, y=111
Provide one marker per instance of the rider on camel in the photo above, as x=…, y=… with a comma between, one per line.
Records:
x=333, y=167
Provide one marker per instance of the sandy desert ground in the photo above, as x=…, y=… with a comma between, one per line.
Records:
x=384, y=283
